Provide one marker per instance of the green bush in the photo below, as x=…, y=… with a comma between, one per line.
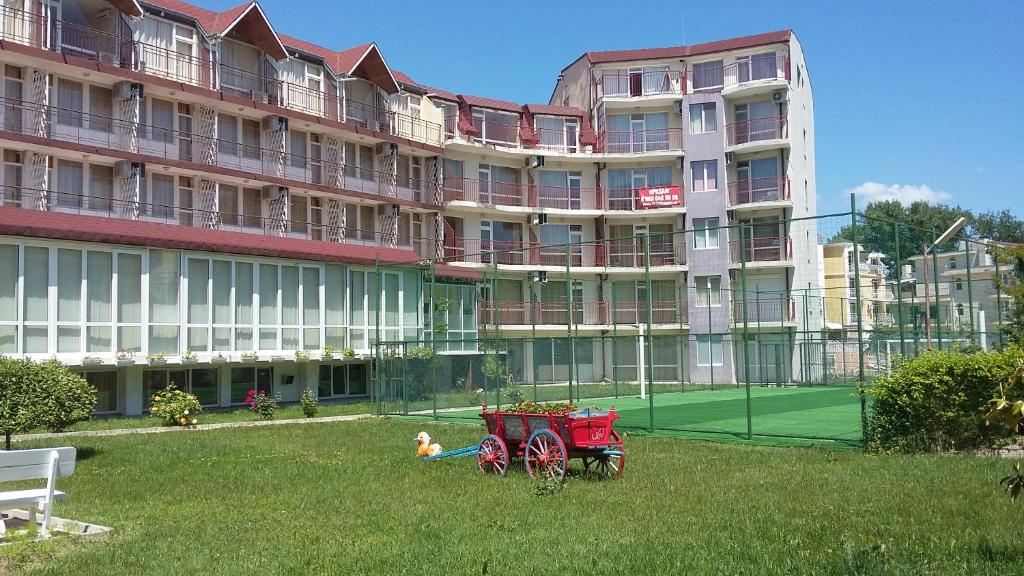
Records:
x=310, y=403
x=938, y=401
x=46, y=395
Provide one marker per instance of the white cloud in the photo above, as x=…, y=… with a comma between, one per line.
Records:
x=905, y=193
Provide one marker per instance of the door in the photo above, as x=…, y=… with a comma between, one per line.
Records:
x=637, y=129
x=265, y=379
x=185, y=141
x=636, y=82
x=13, y=94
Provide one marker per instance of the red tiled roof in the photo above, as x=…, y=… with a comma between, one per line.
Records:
x=127, y=6
x=490, y=103
x=216, y=23
x=688, y=51
x=554, y=110
x=349, y=57
x=55, y=225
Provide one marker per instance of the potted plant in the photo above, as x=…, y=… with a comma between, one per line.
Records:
x=189, y=357
x=250, y=357
x=218, y=358
x=301, y=356
x=91, y=361
x=328, y=353
x=125, y=357
x=158, y=359
x=348, y=353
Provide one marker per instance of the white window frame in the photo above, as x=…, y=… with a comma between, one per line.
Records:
x=708, y=229
x=704, y=175
x=702, y=107
x=709, y=342
x=712, y=287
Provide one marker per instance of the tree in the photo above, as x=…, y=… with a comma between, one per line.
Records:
x=1014, y=321
x=919, y=222
x=45, y=395
x=1001, y=226
x=1004, y=408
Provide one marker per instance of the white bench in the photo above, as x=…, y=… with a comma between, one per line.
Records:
x=39, y=464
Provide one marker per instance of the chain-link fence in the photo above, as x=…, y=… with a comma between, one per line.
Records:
x=757, y=328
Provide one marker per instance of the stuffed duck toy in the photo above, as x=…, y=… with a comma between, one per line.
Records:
x=425, y=448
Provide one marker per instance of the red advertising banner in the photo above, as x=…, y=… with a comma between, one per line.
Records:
x=659, y=197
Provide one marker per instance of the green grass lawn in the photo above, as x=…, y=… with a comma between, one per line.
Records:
x=350, y=498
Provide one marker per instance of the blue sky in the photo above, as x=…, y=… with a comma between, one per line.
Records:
x=912, y=99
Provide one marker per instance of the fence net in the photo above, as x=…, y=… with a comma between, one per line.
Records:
x=758, y=329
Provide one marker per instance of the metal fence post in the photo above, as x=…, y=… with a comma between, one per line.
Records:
x=569, y=318
x=938, y=311
x=746, y=328
x=899, y=288
x=998, y=281
x=970, y=289
x=860, y=323
x=650, y=323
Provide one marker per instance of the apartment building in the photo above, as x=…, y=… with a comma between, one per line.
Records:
x=839, y=292
x=964, y=295
x=684, y=146
x=191, y=197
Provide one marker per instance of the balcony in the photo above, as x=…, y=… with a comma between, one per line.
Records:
x=457, y=189
x=562, y=140
x=65, y=37
x=756, y=190
x=566, y=197
x=747, y=134
x=483, y=251
x=630, y=253
x=655, y=140
x=762, y=249
x=108, y=206
x=632, y=199
x=79, y=127
x=592, y=313
x=767, y=308
x=662, y=312
x=626, y=84
x=760, y=73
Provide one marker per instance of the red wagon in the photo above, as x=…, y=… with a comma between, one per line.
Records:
x=547, y=441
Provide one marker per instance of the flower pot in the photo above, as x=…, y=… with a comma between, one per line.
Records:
x=126, y=362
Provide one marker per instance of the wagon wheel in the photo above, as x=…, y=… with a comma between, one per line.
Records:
x=605, y=465
x=492, y=455
x=545, y=455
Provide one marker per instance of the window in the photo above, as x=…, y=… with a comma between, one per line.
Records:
x=101, y=109
x=105, y=383
x=70, y=102
x=709, y=291
x=709, y=350
x=637, y=133
x=494, y=127
x=707, y=75
x=756, y=67
x=252, y=208
x=101, y=187
x=250, y=378
x=162, y=119
x=68, y=188
x=250, y=139
x=297, y=149
x=959, y=284
x=705, y=233
x=227, y=204
x=299, y=213
x=702, y=118
x=704, y=174
x=952, y=264
x=227, y=135
x=164, y=275
x=162, y=196
x=557, y=133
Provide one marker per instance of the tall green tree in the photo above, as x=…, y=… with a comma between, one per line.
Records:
x=876, y=234
x=999, y=225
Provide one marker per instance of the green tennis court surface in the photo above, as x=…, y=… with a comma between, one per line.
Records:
x=786, y=416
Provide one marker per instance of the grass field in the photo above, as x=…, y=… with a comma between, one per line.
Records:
x=778, y=415
x=350, y=498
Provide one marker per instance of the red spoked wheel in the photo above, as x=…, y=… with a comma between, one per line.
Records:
x=492, y=455
x=545, y=455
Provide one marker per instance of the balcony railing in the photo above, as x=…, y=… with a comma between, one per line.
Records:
x=252, y=85
x=174, y=65
x=757, y=67
x=756, y=130
x=611, y=254
x=566, y=197
x=623, y=83
x=764, y=308
x=762, y=249
x=586, y=312
x=640, y=141
x=628, y=199
x=662, y=312
x=707, y=77
x=485, y=191
x=65, y=37
x=105, y=131
x=557, y=140
x=752, y=190
x=107, y=205
x=494, y=132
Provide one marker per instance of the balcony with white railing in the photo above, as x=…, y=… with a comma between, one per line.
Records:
x=755, y=74
x=585, y=313
x=608, y=254
x=662, y=312
x=759, y=309
x=662, y=141
x=637, y=84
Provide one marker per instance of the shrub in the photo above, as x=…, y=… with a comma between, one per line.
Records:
x=262, y=403
x=938, y=401
x=176, y=407
x=531, y=407
x=515, y=394
x=44, y=395
x=310, y=403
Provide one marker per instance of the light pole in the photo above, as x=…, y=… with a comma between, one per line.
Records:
x=942, y=239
